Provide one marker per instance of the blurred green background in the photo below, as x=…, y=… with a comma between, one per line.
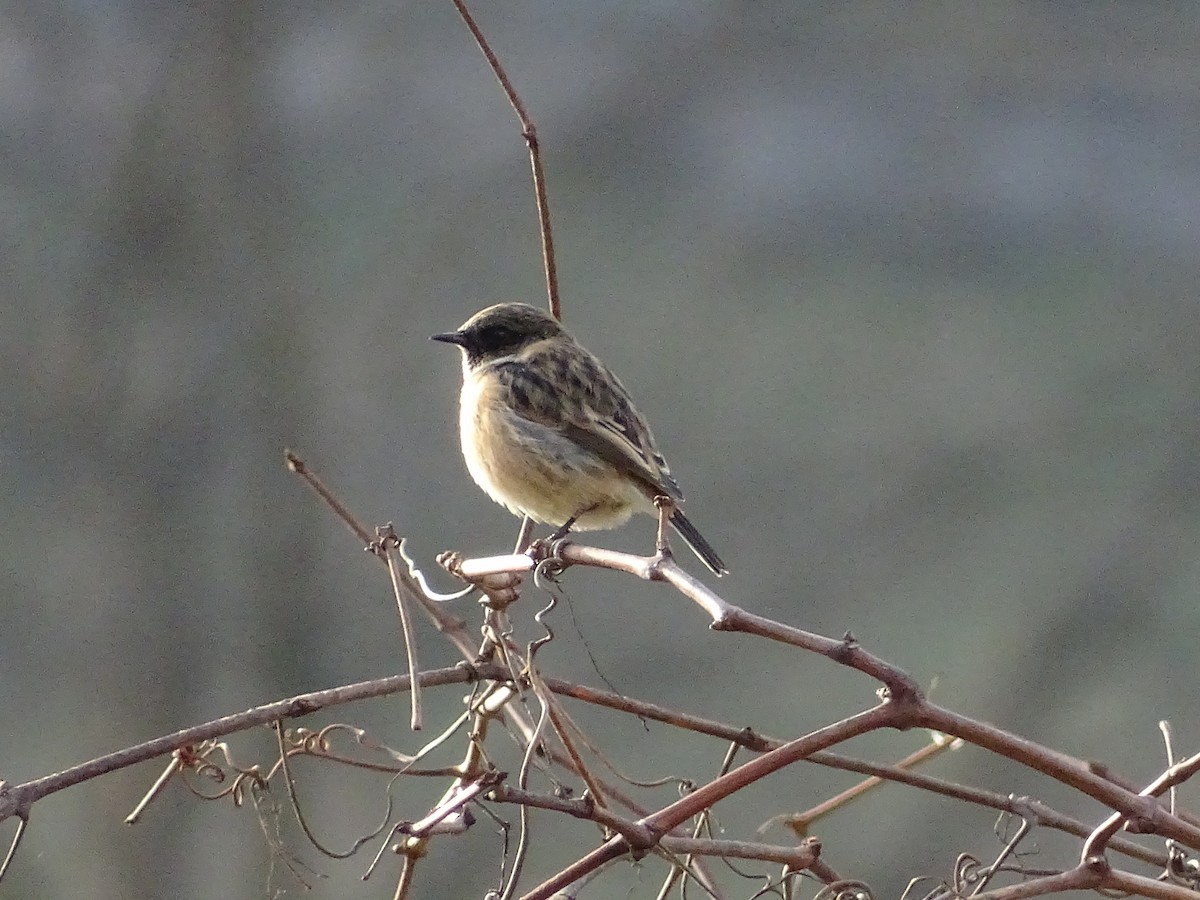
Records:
x=907, y=290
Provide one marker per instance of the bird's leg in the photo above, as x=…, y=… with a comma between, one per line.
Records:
x=565, y=528
x=665, y=506
x=562, y=531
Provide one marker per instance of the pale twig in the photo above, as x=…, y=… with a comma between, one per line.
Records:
x=664, y=506
x=388, y=543
x=453, y=804
x=472, y=776
x=796, y=858
x=800, y=822
x=168, y=773
x=407, y=871
x=1106, y=772
x=22, y=825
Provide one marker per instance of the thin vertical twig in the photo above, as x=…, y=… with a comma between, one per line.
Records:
x=529, y=132
x=389, y=543
x=22, y=824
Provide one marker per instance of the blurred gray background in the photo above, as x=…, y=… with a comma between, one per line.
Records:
x=907, y=290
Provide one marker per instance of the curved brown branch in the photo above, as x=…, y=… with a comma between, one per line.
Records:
x=1099, y=839
x=17, y=799
x=1150, y=816
x=911, y=707
x=725, y=615
x=1026, y=807
x=704, y=797
x=1094, y=875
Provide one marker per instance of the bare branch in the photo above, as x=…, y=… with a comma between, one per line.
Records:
x=1098, y=840
x=1151, y=816
x=389, y=545
x=686, y=807
x=529, y=132
x=17, y=798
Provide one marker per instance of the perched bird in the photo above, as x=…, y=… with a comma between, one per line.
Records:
x=549, y=432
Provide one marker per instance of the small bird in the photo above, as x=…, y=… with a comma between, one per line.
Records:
x=549, y=432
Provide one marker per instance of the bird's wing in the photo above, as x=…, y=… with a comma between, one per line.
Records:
x=586, y=403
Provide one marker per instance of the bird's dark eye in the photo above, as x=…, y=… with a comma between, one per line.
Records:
x=495, y=337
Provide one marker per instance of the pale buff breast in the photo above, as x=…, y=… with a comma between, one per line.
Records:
x=534, y=470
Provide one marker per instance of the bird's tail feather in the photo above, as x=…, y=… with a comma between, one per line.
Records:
x=696, y=541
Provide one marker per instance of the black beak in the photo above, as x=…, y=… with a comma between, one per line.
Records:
x=450, y=337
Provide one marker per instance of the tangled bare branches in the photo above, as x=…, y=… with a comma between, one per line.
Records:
x=566, y=771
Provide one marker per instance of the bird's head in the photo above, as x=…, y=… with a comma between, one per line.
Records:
x=499, y=331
